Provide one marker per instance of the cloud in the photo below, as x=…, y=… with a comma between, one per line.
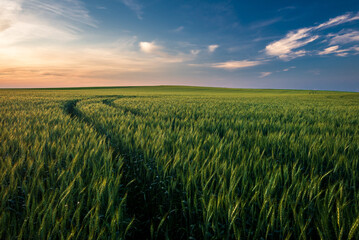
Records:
x=195, y=52
x=259, y=39
x=285, y=48
x=228, y=65
x=293, y=40
x=339, y=52
x=265, y=23
x=149, y=47
x=179, y=29
x=329, y=50
x=134, y=6
x=160, y=54
x=53, y=66
x=71, y=10
x=35, y=20
x=231, y=65
x=349, y=17
x=265, y=74
x=101, y=8
x=42, y=44
x=287, y=69
x=8, y=13
x=352, y=36
x=212, y=48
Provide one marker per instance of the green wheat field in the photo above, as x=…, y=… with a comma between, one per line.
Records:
x=178, y=163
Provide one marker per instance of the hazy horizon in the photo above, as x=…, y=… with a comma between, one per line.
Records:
x=303, y=45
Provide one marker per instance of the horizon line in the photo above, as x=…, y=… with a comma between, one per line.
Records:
x=147, y=86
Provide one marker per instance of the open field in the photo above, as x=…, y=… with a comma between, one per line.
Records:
x=178, y=163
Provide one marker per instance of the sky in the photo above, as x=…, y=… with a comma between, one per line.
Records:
x=238, y=44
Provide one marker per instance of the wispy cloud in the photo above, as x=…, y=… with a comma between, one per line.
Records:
x=195, y=52
x=339, y=52
x=293, y=40
x=118, y=60
x=265, y=23
x=71, y=10
x=36, y=20
x=259, y=39
x=349, y=17
x=134, y=6
x=232, y=65
x=329, y=50
x=8, y=13
x=287, y=69
x=179, y=29
x=287, y=47
x=149, y=47
x=228, y=65
x=212, y=48
x=265, y=74
x=352, y=36
x=44, y=40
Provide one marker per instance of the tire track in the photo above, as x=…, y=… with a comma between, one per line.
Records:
x=110, y=102
x=145, y=200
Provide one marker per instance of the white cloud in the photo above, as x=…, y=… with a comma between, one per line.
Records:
x=338, y=20
x=117, y=60
x=293, y=55
x=265, y=74
x=159, y=53
x=35, y=20
x=8, y=13
x=212, y=48
x=195, y=52
x=149, y=47
x=70, y=11
x=293, y=40
x=339, y=52
x=285, y=47
x=42, y=40
x=352, y=36
x=179, y=29
x=134, y=6
x=231, y=65
x=329, y=50
x=287, y=69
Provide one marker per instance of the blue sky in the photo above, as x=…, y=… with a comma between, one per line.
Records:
x=242, y=44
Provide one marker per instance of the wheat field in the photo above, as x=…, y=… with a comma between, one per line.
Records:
x=178, y=163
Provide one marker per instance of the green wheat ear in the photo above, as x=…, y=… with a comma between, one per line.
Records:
x=354, y=228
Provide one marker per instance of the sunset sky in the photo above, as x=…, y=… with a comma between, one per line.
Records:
x=242, y=44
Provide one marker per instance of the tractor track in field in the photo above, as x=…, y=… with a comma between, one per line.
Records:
x=73, y=112
x=110, y=102
x=143, y=198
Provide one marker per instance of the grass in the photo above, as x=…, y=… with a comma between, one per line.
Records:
x=178, y=163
